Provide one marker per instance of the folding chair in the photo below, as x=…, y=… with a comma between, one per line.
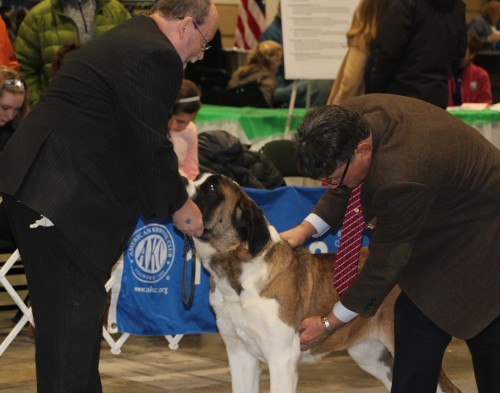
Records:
x=27, y=316
x=281, y=153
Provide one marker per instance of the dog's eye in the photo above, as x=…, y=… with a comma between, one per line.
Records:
x=211, y=187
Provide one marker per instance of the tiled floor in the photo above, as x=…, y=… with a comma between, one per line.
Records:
x=147, y=365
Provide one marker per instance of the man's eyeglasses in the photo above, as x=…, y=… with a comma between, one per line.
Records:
x=332, y=182
x=206, y=46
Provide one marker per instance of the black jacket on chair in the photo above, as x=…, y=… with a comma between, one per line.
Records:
x=223, y=153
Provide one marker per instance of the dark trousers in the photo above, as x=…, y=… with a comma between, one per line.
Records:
x=68, y=297
x=5, y=232
x=420, y=346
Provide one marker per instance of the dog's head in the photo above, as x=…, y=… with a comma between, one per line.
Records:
x=230, y=217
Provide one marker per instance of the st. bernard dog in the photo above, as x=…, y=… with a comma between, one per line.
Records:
x=262, y=288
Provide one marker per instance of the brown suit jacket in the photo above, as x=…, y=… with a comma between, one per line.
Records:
x=434, y=186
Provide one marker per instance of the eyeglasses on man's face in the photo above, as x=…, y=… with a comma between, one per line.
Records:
x=333, y=182
x=206, y=46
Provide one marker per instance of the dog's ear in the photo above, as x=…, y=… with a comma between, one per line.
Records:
x=249, y=221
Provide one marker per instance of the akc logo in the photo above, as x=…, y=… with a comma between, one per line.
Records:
x=151, y=253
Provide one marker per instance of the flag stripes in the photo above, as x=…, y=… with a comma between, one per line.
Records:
x=250, y=24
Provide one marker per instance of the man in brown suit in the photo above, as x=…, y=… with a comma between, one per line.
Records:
x=433, y=184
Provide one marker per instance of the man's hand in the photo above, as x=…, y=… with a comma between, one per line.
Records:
x=298, y=235
x=188, y=219
x=313, y=333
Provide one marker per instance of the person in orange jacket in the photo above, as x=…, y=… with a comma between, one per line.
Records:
x=7, y=55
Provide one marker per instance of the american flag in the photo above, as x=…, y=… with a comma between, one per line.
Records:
x=250, y=24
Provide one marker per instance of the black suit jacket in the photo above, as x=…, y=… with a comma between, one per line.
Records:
x=93, y=152
x=434, y=186
x=419, y=44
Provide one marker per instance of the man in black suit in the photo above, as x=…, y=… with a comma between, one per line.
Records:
x=84, y=164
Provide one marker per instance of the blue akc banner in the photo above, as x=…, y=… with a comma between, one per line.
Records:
x=150, y=301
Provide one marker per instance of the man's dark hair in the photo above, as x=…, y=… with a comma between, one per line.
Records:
x=327, y=138
x=178, y=9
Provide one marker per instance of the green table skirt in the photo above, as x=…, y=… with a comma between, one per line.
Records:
x=263, y=123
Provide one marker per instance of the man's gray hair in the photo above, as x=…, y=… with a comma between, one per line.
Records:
x=179, y=9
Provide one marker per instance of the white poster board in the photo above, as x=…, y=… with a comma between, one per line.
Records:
x=314, y=36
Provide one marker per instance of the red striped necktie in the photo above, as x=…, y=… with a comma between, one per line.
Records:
x=350, y=243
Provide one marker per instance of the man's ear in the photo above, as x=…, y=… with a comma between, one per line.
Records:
x=184, y=25
x=364, y=148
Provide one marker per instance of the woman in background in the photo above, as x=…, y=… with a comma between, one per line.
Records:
x=483, y=25
x=261, y=66
x=13, y=103
x=182, y=131
x=365, y=21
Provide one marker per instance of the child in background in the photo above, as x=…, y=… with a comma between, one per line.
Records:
x=182, y=131
x=13, y=102
x=469, y=83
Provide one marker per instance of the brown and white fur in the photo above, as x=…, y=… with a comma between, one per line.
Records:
x=261, y=289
